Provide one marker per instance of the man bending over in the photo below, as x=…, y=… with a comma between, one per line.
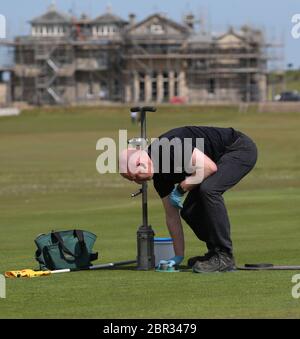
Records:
x=202, y=162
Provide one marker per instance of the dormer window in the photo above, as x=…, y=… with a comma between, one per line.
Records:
x=157, y=29
x=49, y=30
x=105, y=30
x=51, y=24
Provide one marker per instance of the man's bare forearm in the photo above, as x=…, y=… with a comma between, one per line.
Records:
x=188, y=187
x=176, y=232
x=204, y=168
x=175, y=226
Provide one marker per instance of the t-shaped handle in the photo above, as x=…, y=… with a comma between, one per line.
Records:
x=134, y=195
x=143, y=109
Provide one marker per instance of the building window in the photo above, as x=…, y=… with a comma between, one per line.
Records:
x=104, y=92
x=166, y=86
x=176, y=88
x=156, y=29
x=212, y=86
x=105, y=30
x=49, y=30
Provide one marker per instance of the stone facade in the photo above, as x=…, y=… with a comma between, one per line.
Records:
x=67, y=60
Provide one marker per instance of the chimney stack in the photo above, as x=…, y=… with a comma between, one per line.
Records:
x=189, y=20
x=132, y=19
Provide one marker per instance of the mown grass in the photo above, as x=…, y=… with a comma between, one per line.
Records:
x=48, y=180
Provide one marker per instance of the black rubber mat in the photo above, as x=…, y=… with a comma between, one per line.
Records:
x=263, y=267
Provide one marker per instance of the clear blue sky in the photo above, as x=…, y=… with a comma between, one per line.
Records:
x=274, y=16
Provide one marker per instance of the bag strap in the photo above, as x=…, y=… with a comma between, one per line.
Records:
x=80, y=237
x=58, y=237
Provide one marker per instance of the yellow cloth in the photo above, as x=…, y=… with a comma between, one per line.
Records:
x=26, y=274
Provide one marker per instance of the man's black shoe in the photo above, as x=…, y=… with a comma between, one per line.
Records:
x=192, y=261
x=219, y=262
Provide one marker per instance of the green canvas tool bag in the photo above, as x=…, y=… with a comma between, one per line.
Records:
x=65, y=250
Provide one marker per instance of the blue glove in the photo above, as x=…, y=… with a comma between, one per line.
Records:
x=175, y=261
x=176, y=198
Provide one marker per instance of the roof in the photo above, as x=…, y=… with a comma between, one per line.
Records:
x=247, y=34
x=230, y=31
x=162, y=18
x=52, y=16
x=109, y=18
x=201, y=37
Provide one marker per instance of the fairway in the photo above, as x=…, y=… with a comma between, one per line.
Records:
x=48, y=180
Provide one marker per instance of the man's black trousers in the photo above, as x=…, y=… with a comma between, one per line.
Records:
x=204, y=209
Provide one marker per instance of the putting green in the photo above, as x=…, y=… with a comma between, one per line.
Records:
x=48, y=180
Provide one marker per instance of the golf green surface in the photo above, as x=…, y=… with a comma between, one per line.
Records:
x=48, y=180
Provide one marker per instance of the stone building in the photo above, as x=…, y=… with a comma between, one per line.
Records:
x=74, y=60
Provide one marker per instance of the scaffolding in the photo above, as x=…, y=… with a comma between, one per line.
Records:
x=191, y=65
